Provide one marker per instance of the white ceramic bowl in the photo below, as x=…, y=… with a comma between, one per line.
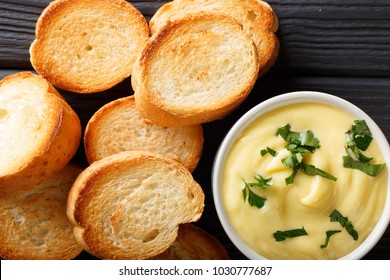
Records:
x=272, y=104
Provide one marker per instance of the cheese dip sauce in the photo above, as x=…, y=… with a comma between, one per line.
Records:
x=309, y=200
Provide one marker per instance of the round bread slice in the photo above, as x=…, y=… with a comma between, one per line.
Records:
x=193, y=243
x=257, y=18
x=39, y=131
x=129, y=205
x=34, y=224
x=118, y=127
x=87, y=46
x=195, y=70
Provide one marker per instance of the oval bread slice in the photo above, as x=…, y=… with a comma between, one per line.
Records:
x=130, y=205
x=34, y=224
x=39, y=131
x=257, y=18
x=193, y=243
x=118, y=127
x=194, y=70
x=88, y=46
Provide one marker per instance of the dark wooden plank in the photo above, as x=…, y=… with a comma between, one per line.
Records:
x=339, y=47
x=315, y=35
x=323, y=36
x=17, y=24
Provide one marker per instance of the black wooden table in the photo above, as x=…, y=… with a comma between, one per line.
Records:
x=341, y=47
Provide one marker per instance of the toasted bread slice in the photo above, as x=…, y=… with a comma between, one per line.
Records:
x=129, y=205
x=257, y=18
x=193, y=243
x=88, y=46
x=34, y=224
x=39, y=131
x=195, y=70
x=118, y=127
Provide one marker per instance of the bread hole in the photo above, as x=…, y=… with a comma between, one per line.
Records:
x=151, y=186
x=191, y=195
x=3, y=113
x=88, y=48
x=251, y=15
x=42, y=233
x=151, y=235
x=143, y=199
x=83, y=34
x=20, y=220
x=226, y=62
x=37, y=242
x=201, y=75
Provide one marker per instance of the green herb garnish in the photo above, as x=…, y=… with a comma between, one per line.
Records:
x=298, y=144
x=283, y=235
x=268, y=150
x=336, y=216
x=361, y=134
x=252, y=198
x=312, y=170
x=358, y=139
x=329, y=233
x=293, y=161
x=301, y=140
x=369, y=169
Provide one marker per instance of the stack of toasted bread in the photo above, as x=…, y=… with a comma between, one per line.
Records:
x=194, y=62
x=39, y=134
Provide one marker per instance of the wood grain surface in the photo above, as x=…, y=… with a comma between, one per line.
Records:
x=341, y=47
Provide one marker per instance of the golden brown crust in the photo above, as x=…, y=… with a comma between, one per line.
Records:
x=59, y=141
x=257, y=18
x=118, y=126
x=129, y=205
x=34, y=222
x=193, y=243
x=93, y=53
x=194, y=33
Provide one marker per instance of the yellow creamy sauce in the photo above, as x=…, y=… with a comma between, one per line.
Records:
x=310, y=200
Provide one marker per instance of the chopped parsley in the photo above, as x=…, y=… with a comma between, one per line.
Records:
x=299, y=143
x=336, y=216
x=250, y=196
x=369, y=169
x=312, y=170
x=361, y=134
x=329, y=233
x=358, y=139
x=268, y=150
x=283, y=235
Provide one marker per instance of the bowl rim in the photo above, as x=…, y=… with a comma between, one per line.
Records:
x=276, y=102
